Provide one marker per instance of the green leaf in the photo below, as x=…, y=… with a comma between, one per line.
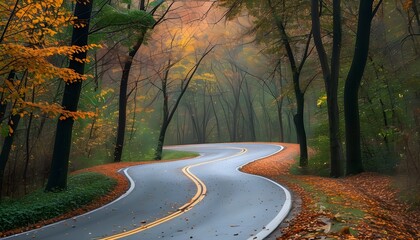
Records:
x=131, y=19
x=156, y=3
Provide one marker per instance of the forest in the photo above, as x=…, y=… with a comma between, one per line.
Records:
x=90, y=82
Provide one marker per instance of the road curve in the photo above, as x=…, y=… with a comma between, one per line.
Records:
x=201, y=198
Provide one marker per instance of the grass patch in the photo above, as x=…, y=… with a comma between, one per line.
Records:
x=82, y=189
x=174, y=154
x=318, y=162
x=101, y=157
x=316, y=166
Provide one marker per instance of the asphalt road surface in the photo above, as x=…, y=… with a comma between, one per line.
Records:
x=204, y=198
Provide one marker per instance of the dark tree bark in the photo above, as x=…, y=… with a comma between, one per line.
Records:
x=225, y=111
x=251, y=113
x=57, y=179
x=351, y=89
x=3, y=107
x=3, y=104
x=276, y=91
x=7, y=146
x=236, y=107
x=200, y=116
x=279, y=104
x=219, y=136
x=298, y=118
x=299, y=123
x=233, y=105
x=330, y=80
x=12, y=14
x=122, y=105
x=27, y=144
x=8, y=141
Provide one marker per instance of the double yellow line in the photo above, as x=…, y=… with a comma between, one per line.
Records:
x=199, y=195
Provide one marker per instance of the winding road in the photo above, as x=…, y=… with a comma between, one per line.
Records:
x=204, y=198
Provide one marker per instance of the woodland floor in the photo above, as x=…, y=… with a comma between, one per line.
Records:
x=364, y=206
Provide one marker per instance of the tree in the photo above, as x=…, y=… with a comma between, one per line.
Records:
x=366, y=13
x=234, y=78
x=141, y=35
x=198, y=105
x=57, y=179
x=331, y=76
x=169, y=111
x=276, y=13
x=28, y=43
x=299, y=93
x=8, y=141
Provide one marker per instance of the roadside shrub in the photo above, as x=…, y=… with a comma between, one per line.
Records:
x=82, y=189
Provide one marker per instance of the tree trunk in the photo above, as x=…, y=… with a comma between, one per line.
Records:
x=169, y=113
x=161, y=141
x=7, y=146
x=250, y=110
x=3, y=104
x=235, y=117
x=279, y=103
x=57, y=179
x=122, y=111
x=28, y=151
x=351, y=89
x=332, y=99
x=300, y=130
x=299, y=94
x=122, y=106
x=280, y=117
x=330, y=80
x=3, y=107
x=219, y=138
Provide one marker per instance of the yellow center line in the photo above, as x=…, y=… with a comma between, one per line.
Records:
x=199, y=195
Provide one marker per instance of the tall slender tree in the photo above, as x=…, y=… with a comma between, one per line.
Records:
x=331, y=76
x=8, y=141
x=122, y=107
x=296, y=68
x=366, y=13
x=276, y=12
x=57, y=179
x=169, y=111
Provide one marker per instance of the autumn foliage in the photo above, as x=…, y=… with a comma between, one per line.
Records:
x=364, y=206
x=30, y=48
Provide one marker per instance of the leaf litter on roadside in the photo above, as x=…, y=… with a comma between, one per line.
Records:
x=364, y=206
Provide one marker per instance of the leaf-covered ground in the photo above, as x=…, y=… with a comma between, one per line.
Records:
x=365, y=206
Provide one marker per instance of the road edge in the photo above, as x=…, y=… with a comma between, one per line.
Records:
x=287, y=206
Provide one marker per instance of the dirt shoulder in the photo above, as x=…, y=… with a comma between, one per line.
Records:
x=365, y=206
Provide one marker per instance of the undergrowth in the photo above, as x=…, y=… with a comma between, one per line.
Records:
x=175, y=154
x=82, y=189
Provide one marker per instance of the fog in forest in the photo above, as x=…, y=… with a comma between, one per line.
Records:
x=216, y=72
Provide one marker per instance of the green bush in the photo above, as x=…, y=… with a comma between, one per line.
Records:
x=39, y=205
x=319, y=163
